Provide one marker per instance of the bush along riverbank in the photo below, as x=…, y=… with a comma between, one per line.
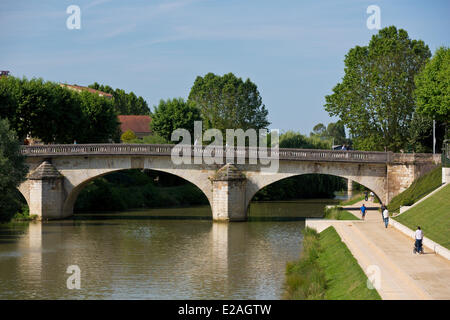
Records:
x=326, y=271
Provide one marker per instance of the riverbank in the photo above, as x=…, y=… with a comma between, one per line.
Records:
x=326, y=270
x=387, y=252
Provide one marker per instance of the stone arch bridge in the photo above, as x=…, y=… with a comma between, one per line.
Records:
x=57, y=173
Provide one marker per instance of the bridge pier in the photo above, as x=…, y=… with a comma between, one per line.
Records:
x=228, y=202
x=349, y=188
x=46, y=191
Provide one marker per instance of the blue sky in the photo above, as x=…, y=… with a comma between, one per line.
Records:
x=292, y=50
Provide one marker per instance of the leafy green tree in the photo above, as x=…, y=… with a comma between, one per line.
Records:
x=100, y=118
x=227, y=102
x=336, y=132
x=292, y=139
x=124, y=103
x=174, y=114
x=128, y=136
x=433, y=87
x=12, y=171
x=319, y=130
x=36, y=107
x=375, y=98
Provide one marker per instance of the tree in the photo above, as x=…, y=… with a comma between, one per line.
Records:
x=319, y=129
x=36, y=107
x=128, y=136
x=12, y=170
x=227, y=102
x=124, y=103
x=336, y=132
x=375, y=98
x=174, y=114
x=433, y=87
x=100, y=119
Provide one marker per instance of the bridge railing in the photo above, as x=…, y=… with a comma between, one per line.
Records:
x=166, y=150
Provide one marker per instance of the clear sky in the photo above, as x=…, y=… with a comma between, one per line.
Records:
x=292, y=50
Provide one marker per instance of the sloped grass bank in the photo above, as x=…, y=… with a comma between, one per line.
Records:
x=432, y=215
x=326, y=271
x=418, y=189
x=338, y=214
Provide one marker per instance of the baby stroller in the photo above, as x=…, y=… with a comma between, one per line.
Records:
x=418, y=247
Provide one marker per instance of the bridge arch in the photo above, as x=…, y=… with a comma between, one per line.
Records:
x=74, y=189
x=371, y=178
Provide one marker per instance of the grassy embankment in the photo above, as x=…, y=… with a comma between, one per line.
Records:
x=418, y=189
x=336, y=213
x=432, y=215
x=326, y=270
x=356, y=198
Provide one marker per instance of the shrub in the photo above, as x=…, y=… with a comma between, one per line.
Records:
x=128, y=136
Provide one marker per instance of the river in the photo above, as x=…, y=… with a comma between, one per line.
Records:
x=174, y=253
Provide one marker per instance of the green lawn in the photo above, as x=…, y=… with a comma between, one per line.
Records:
x=345, y=278
x=418, y=189
x=326, y=270
x=337, y=214
x=432, y=215
x=356, y=198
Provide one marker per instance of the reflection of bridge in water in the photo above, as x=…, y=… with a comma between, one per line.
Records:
x=59, y=172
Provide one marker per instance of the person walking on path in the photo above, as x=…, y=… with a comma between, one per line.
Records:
x=419, y=237
x=386, y=216
x=366, y=195
x=363, y=211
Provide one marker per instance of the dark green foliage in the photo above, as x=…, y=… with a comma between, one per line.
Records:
x=418, y=189
x=334, y=132
x=302, y=187
x=134, y=189
x=228, y=102
x=433, y=87
x=37, y=108
x=174, y=114
x=375, y=98
x=292, y=139
x=12, y=171
x=124, y=103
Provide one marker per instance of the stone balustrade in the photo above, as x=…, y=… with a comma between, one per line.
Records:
x=166, y=150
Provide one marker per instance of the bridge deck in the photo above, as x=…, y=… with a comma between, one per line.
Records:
x=166, y=150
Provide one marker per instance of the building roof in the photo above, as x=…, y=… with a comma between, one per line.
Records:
x=81, y=88
x=135, y=123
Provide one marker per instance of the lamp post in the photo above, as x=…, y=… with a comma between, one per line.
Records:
x=434, y=136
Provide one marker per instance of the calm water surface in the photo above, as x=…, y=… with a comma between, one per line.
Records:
x=155, y=254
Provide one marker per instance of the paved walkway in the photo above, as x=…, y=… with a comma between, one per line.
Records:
x=403, y=274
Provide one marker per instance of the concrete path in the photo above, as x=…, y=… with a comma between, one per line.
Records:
x=403, y=275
